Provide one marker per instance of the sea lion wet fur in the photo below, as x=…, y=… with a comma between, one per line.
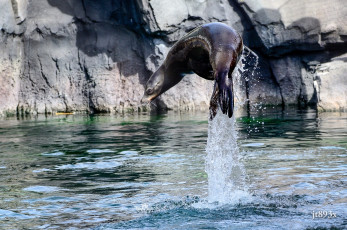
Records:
x=212, y=52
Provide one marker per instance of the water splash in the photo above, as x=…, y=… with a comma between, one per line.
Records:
x=252, y=75
x=249, y=63
x=244, y=76
x=226, y=174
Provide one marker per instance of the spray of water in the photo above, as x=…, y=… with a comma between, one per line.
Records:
x=226, y=172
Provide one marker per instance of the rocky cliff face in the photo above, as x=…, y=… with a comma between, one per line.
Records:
x=95, y=56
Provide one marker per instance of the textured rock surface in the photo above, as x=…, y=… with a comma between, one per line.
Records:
x=296, y=36
x=76, y=59
x=95, y=56
x=288, y=25
x=10, y=67
x=332, y=84
x=11, y=57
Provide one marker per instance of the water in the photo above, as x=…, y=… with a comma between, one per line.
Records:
x=148, y=172
x=226, y=174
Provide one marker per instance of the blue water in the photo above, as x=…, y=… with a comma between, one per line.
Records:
x=148, y=172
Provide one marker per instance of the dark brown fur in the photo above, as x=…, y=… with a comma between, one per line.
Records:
x=212, y=52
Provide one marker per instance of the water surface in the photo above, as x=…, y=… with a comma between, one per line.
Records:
x=148, y=172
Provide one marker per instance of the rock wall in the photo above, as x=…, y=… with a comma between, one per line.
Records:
x=96, y=56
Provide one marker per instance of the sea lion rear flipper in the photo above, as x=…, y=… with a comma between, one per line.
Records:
x=214, y=101
x=226, y=97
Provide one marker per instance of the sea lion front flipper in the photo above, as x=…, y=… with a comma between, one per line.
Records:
x=226, y=97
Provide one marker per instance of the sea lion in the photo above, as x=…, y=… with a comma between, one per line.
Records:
x=212, y=52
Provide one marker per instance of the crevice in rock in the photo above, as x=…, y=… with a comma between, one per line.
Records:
x=39, y=31
x=278, y=86
x=194, y=18
x=86, y=13
x=247, y=24
x=56, y=64
x=13, y=34
x=88, y=85
x=153, y=15
x=42, y=73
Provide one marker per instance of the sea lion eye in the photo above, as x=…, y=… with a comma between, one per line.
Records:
x=149, y=91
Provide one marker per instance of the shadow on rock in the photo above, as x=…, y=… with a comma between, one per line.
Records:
x=109, y=28
x=278, y=39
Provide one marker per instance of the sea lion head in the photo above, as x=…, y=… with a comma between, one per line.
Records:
x=161, y=80
x=154, y=86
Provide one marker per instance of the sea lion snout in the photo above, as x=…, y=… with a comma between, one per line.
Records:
x=146, y=99
x=148, y=95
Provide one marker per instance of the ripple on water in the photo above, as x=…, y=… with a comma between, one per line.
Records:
x=42, y=189
x=44, y=211
x=53, y=154
x=53, y=199
x=193, y=213
x=332, y=147
x=164, y=157
x=129, y=153
x=9, y=214
x=304, y=185
x=253, y=145
x=92, y=165
x=95, y=151
x=88, y=194
x=42, y=170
